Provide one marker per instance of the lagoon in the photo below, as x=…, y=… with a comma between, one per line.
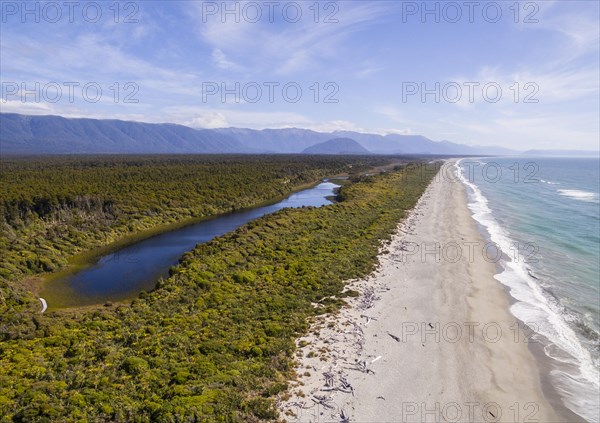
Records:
x=124, y=273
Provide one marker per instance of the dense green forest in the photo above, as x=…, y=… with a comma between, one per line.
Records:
x=215, y=341
x=52, y=208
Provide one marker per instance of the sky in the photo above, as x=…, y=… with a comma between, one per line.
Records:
x=522, y=75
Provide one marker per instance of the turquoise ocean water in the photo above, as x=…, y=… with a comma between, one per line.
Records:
x=544, y=215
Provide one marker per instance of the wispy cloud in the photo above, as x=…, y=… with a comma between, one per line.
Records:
x=221, y=60
x=576, y=20
x=527, y=86
x=287, y=48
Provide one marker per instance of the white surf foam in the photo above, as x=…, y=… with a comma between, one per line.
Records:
x=542, y=314
x=579, y=195
x=548, y=182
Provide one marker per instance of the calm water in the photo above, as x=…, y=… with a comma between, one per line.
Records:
x=128, y=271
x=547, y=217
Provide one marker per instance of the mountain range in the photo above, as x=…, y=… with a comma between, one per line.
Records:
x=24, y=134
x=21, y=134
x=295, y=140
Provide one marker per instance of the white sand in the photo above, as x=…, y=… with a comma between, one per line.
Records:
x=431, y=372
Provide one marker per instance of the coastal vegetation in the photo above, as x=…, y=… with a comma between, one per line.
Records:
x=215, y=340
x=53, y=208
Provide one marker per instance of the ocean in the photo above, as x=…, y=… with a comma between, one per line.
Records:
x=543, y=214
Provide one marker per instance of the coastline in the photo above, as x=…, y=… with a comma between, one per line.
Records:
x=562, y=382
x=429, y=338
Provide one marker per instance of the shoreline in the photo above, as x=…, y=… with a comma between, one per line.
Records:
x=429, y=338
x=537, y=342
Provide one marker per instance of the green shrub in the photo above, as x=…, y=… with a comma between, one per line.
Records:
x=135, y=365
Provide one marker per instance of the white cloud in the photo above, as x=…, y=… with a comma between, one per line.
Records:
x=26, y=108
x=334, y=125
x=222, y=61
x=368, y=70
x=530, y=86
x=201, y=117
x=208, y=120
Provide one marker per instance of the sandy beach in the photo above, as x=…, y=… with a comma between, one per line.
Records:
x=430, y=337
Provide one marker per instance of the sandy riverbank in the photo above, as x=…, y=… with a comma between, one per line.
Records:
x=430, y=338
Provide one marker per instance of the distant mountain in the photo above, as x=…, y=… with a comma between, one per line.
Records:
x=20, y=134
x=336, y=146
x=562, y=153
x=286, y=140
x=294, y=140
x=418, y=144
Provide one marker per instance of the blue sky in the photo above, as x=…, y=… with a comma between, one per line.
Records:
x=372, y=61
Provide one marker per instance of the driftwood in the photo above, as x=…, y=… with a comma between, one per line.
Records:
x=368, y=299
x=362, y=367
x=344, y=418
x=394, y=337
x=300, y=404
x=328, y=379
x=344, y=385
x=322, y=400
x=369, y=318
